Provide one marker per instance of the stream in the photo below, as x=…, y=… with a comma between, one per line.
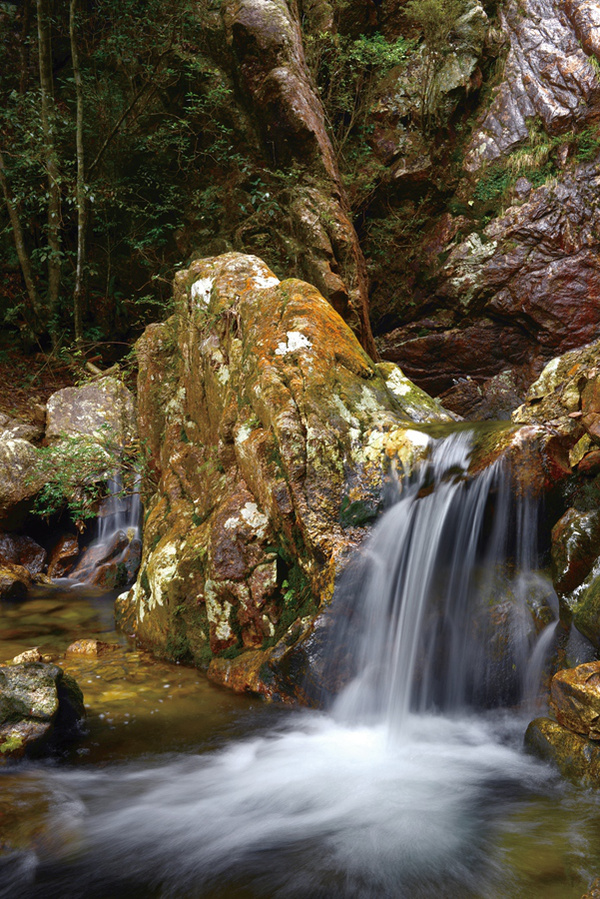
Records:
x=412, y=784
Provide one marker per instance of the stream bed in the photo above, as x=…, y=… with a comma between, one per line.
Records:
x=181, y=789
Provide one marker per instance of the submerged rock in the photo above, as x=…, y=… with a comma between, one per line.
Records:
x=109, y=564
x=15, y=581
x=40, y=707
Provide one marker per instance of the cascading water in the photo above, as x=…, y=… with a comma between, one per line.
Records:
x=112, y=559
x=406, y=790
x=442, y=614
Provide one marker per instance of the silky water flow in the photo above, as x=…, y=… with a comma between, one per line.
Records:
x=410, y=785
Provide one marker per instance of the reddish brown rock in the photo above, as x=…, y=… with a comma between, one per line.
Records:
x=23, y=551
x=436, y=361
x=63, y=556
x=547, y=77
x=575, y=699
x=249, y=673
x=575, y=548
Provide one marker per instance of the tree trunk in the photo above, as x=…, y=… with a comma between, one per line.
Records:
x=49, y=126
x=19, y=239
x=80, y=199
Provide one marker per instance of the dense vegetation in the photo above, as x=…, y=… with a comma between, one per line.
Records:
x=125, y=149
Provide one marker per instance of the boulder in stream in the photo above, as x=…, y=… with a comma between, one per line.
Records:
x=40, y=708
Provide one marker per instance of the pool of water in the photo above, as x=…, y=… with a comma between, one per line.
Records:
x=181, y=789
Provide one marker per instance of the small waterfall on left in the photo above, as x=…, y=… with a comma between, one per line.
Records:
x=111, y=560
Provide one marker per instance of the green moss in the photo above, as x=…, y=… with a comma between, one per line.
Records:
x=178, y=648
x=145, y=583
x=357, y=513
x=587, y=614
x=11, y=743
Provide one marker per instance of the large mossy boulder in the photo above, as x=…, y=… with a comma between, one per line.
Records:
x=272, y=435
x=103, y=410
x=40, y=708
x=274, y=440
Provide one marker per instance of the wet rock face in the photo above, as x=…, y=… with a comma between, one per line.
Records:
x=537, y=265
x=527, y=285
x=40, y=706
x=575, y=699
x=21, y=550
x=437, y=360
x=575, y=756
x=271, y=432
x=575, y=542
x=547, y=75
x=517, y=247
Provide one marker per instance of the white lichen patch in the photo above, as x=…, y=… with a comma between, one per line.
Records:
x=263, y=282
x=243, y=433
x=255, y=518
x=201, y=290
x=161, y=569
x=176, y=404
x=223, y=375
x=218, y=613
x=397, y=382
x=296, y=340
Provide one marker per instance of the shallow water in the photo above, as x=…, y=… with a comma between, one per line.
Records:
x=181, y=789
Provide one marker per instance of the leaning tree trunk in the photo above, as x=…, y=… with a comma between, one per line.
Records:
x=19, y=239
x=48, y=118
x=80, y=200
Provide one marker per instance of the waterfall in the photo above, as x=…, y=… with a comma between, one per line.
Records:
x=443, y=595
x=112, y=559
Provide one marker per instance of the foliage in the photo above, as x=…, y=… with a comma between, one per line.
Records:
x=435, y=19
x=163, y=155
x=76, y=471
x=347, y=71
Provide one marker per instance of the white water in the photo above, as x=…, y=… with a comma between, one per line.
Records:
x=442, y=618
x=118, y=538
x=403, y=791
x=121, y=512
